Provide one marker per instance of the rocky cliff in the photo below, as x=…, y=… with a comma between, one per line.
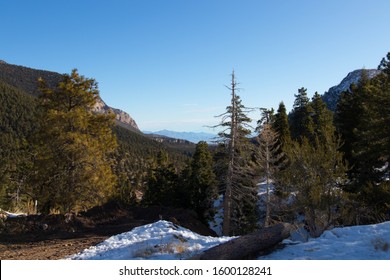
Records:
x=122, y=118
x=25, y=78
x=331, y=97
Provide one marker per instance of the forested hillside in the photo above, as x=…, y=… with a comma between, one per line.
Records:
x=17, y=123
x=21, y=124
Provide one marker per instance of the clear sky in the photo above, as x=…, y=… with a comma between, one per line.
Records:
x=166, y=62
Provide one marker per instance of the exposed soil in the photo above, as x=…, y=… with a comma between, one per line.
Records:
x=42, y=237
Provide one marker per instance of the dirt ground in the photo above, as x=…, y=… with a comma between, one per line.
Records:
x=52, y=237
x=47, y=249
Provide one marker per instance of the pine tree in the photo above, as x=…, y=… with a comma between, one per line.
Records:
x=281, y=126
x=322, y=117
x=315, y=175
x=269, y=155
x=371, y=150
x=362, y=121
x=353, y=120
x=201, y=186
x=73, y=166
x=379, y=110
x=162, y=183
x=301, y=122
x=239, y=191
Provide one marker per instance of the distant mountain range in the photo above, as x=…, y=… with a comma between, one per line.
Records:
x=193, y=137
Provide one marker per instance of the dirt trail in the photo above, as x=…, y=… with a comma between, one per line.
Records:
x=48, y=249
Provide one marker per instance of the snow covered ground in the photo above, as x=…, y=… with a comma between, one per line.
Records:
x=161, y=240
x=371, y=242
x=165, y=241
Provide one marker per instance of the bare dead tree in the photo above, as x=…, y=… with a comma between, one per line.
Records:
x=268, y=154
x=235, y=123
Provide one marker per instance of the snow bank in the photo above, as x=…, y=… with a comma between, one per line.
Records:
x=370, y=242
x=160, y=240
x=165, y=241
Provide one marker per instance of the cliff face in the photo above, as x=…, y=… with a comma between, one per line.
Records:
x=25, y=78
x=331, y=97
x=122, y=118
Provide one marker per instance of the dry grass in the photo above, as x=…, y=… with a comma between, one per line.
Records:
x=380, y=244
x=175, y=247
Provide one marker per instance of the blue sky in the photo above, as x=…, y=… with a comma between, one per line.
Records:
x=166, y=62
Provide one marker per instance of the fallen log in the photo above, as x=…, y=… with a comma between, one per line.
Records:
x=247, y=246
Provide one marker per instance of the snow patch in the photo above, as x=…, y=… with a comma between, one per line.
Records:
x=371, y=242
x=216, y=223
x=158, y=241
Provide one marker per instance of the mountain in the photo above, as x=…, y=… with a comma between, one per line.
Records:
x=331, y=97
x=122, y=118
x=193, y=137
x=25, y=79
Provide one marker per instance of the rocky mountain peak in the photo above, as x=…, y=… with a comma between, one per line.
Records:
x=122, y=118
x=331, y=97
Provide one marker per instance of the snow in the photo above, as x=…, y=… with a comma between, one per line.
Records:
x=161, y=240
x=165, y=241
x=216, y=223
x=10, y=215
x=370, y=242
x=262, y=188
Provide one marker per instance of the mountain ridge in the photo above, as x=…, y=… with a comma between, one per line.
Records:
x=332, y=96
x=25, y=78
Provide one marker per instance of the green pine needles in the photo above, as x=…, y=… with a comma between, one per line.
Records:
x=73, y=168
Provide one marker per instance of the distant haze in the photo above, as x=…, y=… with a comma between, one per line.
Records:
x=194, y=137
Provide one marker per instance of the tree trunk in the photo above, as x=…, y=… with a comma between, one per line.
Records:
x=247, y=246
x=227, y=208
x=268, y=199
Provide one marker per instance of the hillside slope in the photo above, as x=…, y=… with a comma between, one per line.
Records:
x=26, y=79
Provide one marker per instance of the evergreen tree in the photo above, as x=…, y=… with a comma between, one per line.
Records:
x=353, y=122
x=378, y=123
x=240, y=193
x=201, y=186
x=362, y=120
x=315, y=174
x=73, y=165
x=372, y=148
x=324, y=129
x=162, y=183
x=301, y=122
x=281, y=126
